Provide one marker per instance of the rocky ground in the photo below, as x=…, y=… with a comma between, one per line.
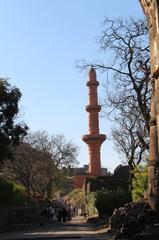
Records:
x=133, y=219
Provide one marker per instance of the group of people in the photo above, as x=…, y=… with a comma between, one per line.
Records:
x=61, y=214
x=64, y=214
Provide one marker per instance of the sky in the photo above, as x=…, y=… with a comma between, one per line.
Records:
x=41, y=42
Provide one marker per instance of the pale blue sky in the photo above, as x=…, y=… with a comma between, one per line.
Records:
x=40, y=43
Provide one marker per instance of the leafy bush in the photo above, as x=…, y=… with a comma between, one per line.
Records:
x=140, y=182
x=85, y=202
x=107, y=201
x=76, y=197
x=11, y=194
x=90, y=203
x=101, y=202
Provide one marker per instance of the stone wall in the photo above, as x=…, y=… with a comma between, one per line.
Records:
x=107, y=183
x=118, y=180
x=13, y=217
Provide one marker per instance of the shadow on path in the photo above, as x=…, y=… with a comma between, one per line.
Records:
x=78, y=228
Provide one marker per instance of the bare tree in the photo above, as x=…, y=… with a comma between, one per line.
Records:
x=62, y=152
x=129, y=144
x=38, y=163
x=127, y=99
x=27, y=165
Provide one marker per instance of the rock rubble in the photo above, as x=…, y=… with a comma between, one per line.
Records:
x=132, y=219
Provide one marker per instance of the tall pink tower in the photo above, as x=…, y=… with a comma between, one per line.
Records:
x=93, y=139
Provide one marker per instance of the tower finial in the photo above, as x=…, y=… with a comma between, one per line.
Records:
x=92, y=75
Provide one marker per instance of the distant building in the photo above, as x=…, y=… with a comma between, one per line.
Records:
x=81, y=173
x=118, y=180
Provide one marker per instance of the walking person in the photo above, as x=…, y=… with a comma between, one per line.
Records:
x=64, y=214
x=59, y=214
x=69, y=215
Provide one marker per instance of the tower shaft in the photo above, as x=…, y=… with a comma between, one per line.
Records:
x=93, y=139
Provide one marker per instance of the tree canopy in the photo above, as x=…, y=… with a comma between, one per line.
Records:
x=11, y=131
x=41, y=163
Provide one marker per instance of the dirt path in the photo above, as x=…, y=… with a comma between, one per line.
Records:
x=76, y=229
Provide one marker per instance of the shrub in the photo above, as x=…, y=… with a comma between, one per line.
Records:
x=90, y=203
x=11, y=194
x=140, y=182
x=76, y=197
x=107, y=201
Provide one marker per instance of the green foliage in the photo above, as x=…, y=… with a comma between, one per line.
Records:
x=140, y=182
x=11, y=194
x=107, y=201
x=76, y=197
x=101, y=202
x=90, y=203
x=85, y=202
x=11, y=132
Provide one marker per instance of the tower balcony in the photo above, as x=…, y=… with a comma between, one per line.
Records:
x=92, y=83
x=93, y=108
x=88, y=138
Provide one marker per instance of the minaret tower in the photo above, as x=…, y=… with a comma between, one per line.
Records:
x=93, y=139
